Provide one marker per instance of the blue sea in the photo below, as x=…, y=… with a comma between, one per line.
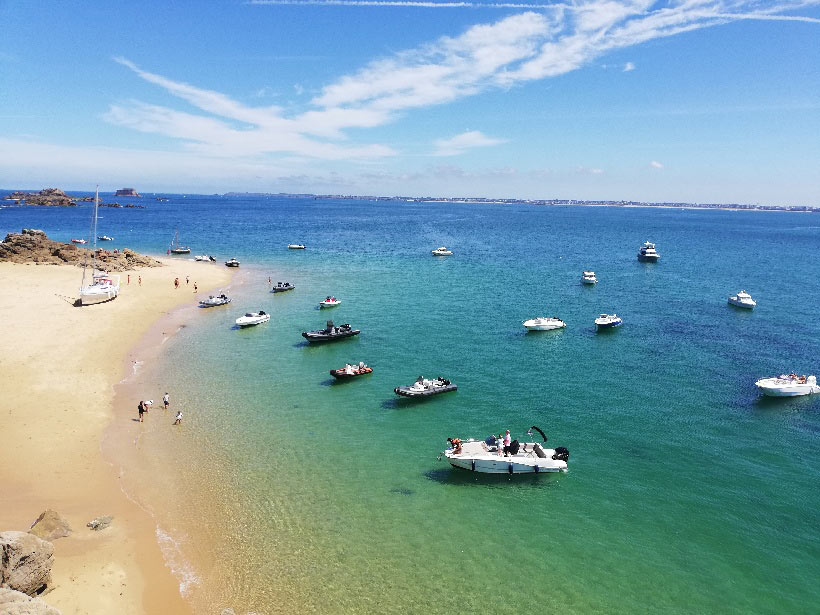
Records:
x=687, y=492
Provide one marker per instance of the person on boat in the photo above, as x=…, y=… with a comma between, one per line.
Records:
x=499, y=444
x=507, y=439
x=456, y=446
x=362, y=366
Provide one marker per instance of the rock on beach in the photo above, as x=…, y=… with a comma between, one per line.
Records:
x=25, y=562
x=50, y=526
x=17, y=603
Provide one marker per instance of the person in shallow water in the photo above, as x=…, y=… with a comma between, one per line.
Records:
x=178, y=418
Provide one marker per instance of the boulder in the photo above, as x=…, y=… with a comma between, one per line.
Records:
x=17, y=603
x=100, y=523
x=50, y=526
x=25, y=562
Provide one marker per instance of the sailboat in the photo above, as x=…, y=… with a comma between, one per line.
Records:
x=103, y=287
x=175, y=248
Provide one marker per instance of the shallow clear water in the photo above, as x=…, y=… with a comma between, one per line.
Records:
x=687, y=492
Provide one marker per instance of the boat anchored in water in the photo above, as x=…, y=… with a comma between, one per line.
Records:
x=542, y=323
x=330, y=333
x=647, y=253
x=788, y=385
x=282, y=287
x=253, y=318
x=175, y=248
x=424, y=387
x=491, y=457
x=80, y=241
x=351, y=371
x=105, y=238
x=608, y=321
x=329, y=302
x=296, y=246
x=213, y=301
x=588, y=277
x=442, y=251
x=742, y=300
x=204, y=258
x=232, y=263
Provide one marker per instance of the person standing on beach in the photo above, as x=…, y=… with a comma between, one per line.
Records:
x=141, y=410
x=186, y=280
x=176, y=283
x=129, y=279
x=194, y=286
x=166, y=401
x=139, y=278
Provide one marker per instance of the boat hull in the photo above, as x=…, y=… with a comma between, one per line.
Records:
x=742, y=304
x=649, y=258
x=407, y=391
x=342, y=375
x=543, y=327
x=492, y=464
x=93, y=297
x=281, y=289
x=610, y=325
x=773, y=388
x=315, y=336
x=180, y=251
x=247, y=321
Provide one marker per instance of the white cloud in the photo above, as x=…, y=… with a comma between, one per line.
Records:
x=516, y=49
x=655, y=164
x=461, y=143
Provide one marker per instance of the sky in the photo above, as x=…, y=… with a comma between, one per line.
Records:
x=701, y=101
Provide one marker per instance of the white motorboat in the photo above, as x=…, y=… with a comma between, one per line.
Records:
x=490, y=457
x=213, y=301
x=588, y=277
x=743, y=300
x=425, y=388
x=647, y=253
x=329, y=302
x=788, y=385
x=103, y=287
x=204, y=258
x=542, y=323
x=253, y=318
x=232, y=262
x=105, y=238
x=296, y=246
x=80, y=241
x=442, y=251
x=608, y=321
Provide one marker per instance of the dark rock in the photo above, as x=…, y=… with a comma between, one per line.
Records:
x=25, y=562
x=50, y=526
x=17, y=603
x=100, y=523
x=32, y=246
x=52, y=197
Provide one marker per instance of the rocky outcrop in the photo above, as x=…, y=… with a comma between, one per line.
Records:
x=17, y=603
x=100, y=523
x=25, y=562
x=51, y=197
x=33, y=246
x=126, y=192
x=50, y=526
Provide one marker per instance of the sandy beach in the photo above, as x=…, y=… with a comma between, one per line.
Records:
x=57, y=372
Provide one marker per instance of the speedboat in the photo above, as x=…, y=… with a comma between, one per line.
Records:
x=542, y=323
x=788, y=385
x=442, y=251
x=490, y=457
x=282, y=287
x=743, y=300
x=330, y=333
x=232, y=263
x=78, y=241
x=253, y=318
x=329, y=302
x=648, y=254
x=588, y=277
x=351, y=371
x=213, y=301
x=204, y=258
x=424, y=387
x=296, y=246
x=105, y=238
x=608, y=321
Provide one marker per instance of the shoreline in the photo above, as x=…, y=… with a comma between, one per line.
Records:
x=60, y=384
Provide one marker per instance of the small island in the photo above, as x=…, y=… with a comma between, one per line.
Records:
x=127, y=192
x=48, y=197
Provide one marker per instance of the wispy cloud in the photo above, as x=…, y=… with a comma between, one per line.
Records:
x=405, y=4
x=514, y=50
x=461, y=143
x=655, y=164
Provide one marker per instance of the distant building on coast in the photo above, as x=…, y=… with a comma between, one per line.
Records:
x=126, y=192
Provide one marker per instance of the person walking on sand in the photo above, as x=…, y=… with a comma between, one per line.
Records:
x=178, y=419
x=141, y=410
x=129, y=279
x=176, y=283
x=139, y=278
x=166, y=401
x=194, y=286
x=186, y=280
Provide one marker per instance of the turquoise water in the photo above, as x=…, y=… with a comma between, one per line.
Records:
x=687, y=492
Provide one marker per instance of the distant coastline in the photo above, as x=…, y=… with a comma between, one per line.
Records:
x=431, y=199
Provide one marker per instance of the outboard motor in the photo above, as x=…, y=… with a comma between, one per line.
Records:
x=561, y=454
